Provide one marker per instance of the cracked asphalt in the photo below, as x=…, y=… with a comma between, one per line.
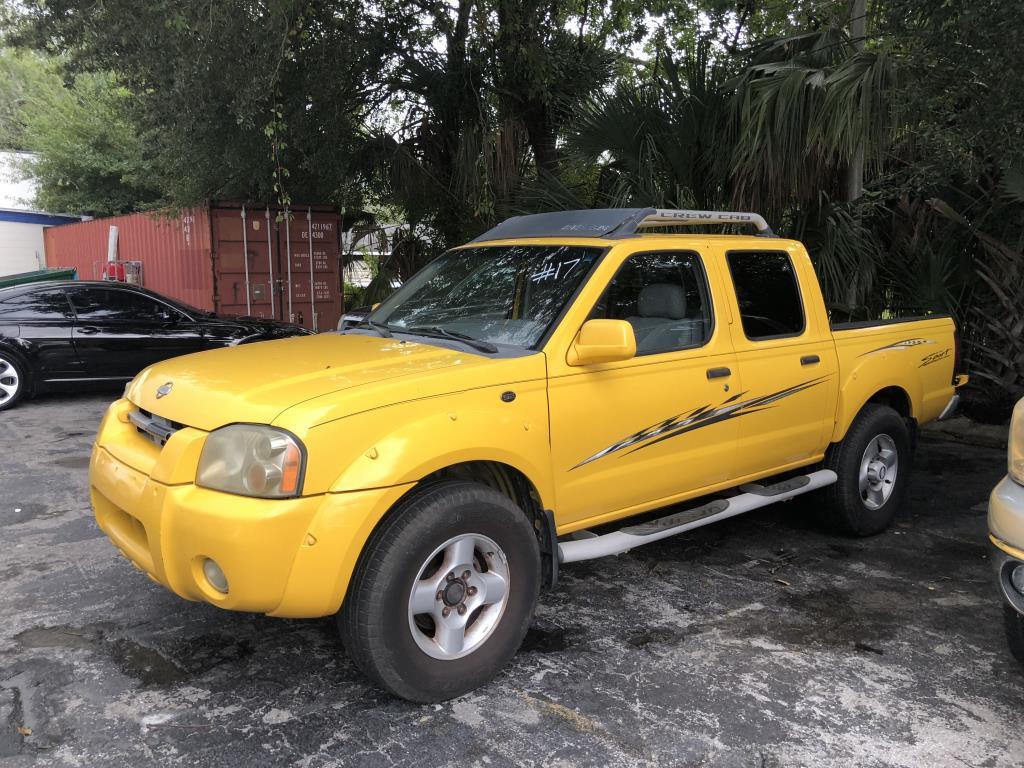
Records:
x=761, y=641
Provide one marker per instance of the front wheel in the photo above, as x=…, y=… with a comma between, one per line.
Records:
x=444, y=592
x=872, y=464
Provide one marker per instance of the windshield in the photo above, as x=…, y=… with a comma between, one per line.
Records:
x=503, y=294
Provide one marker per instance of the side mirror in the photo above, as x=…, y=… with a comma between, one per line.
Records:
x=602, y=341
x=374, y=307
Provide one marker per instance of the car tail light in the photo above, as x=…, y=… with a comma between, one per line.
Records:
x=957, y=356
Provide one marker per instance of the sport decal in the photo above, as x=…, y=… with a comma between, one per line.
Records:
x=905, y=344
x=934, y=357
x=704, y=416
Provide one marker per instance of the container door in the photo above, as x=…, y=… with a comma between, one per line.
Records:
x=310, y=247
x=245, y=261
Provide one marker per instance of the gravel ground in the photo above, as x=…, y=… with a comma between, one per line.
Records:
x=761, y=641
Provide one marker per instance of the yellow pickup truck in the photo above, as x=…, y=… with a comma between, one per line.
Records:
x=424, y=474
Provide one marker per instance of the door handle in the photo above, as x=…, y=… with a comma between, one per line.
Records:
x=809, y=360
x=718, y=373
x=88, y=330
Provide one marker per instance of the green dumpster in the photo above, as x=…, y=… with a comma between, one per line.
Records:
x=38, y=276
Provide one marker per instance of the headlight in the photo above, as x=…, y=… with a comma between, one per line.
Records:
x=252, y=460
x=1015, y=444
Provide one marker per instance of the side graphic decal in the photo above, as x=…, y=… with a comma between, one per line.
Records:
x=905, y=344
x=934, y=357
x=701, y=417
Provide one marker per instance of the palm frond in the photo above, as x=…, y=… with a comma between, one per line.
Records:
x=855, y=114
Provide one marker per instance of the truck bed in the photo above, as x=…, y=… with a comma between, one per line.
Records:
x=917, y=355
x=856, y=324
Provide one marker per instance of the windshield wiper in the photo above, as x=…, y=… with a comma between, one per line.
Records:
x=444, y=333
x=380, y=328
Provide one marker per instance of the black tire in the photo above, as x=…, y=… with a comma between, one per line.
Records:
x=1014, y=624
x=847, y=511
x=374, y=621
x=13, y=373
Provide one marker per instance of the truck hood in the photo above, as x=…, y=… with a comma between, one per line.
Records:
x=257, y=382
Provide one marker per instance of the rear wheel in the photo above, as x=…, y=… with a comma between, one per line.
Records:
x=444, y=592
x=872, y=464
x=13, y=381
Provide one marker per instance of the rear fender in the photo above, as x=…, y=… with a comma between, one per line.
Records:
x=871, y=375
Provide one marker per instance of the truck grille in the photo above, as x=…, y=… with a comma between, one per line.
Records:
x=154, y=428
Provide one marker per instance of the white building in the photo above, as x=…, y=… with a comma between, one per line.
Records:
x=361, y=249
x=21, y=227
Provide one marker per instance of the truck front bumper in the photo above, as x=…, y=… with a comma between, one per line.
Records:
x=284, y=557
x=1006, y=529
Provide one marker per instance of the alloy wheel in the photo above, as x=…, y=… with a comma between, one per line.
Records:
x=878, y=468
x=10, y=382
x=459, y=596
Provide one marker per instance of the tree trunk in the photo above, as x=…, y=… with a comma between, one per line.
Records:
x=853, y=183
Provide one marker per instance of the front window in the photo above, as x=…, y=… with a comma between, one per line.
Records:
x=96, y=304
x=664, y=297
x=502, y=294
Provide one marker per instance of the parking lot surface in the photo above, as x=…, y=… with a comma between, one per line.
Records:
x=761, y=641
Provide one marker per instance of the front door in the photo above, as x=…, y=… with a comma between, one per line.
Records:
x=627, y=435
x=119, y=331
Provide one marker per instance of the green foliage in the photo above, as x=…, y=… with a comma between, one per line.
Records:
x=802, y=111
x=257, y=101
x=90, y=158
x=24, y=76
x=355, y=296
x=457, y=113
x=963, y=89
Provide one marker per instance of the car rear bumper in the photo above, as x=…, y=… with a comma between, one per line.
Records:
x=1006, y=526
x=950, y=410
x=284, y=557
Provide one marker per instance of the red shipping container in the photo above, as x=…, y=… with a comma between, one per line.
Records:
x=197, y=257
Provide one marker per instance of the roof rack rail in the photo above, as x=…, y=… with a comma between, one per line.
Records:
x=615, y=222
x=669, y=217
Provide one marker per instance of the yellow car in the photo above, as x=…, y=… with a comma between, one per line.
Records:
x=424, y=474
x=1006, y=531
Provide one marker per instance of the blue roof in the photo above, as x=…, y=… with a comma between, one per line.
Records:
x=36, y=217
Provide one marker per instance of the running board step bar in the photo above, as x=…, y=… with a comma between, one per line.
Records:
x=753, y=497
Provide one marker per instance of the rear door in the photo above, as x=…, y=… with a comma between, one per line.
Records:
x=787, y=361
x=118, y=331
x=41, y=321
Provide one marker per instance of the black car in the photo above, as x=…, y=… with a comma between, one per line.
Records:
x=68, y=334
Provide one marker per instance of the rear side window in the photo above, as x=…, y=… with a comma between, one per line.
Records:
x=767, y=292
x=37, y=305
x=120, y=305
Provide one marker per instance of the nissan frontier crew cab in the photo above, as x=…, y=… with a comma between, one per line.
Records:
x=423, y=474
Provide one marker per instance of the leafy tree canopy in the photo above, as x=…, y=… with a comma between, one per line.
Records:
x=884, y=133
